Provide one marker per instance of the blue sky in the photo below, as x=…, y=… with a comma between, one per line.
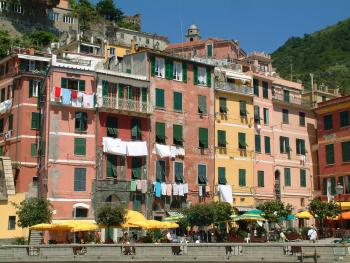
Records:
x=262, y=25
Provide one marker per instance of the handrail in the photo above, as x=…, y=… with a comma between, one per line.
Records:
x=126, y=104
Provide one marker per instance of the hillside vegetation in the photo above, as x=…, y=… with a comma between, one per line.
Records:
x=325, y=53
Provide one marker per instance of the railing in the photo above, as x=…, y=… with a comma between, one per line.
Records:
x=79, y=62
x=127, y=105
x=292, y=100
x=37, y=72
x=182, y=252
x=242, y=89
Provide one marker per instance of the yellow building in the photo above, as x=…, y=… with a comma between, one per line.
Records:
x=234, y=136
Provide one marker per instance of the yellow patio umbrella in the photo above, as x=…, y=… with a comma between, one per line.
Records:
x=303, y=215
x=43, y=227
x=171, y=225
x=132, y=217
x=77, y=225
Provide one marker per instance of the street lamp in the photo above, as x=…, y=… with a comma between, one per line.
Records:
x=339, y=190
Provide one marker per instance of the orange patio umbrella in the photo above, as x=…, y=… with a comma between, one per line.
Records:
x=345, y=215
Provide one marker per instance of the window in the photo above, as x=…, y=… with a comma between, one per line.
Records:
x=284, y=145
x=1, y=125
x=158, y=67
x=302, y=178
x=266, y=116
x=111, y=166
x=3, y=5
x=267, y=141
x=35, y=120
x=160, y=171
x=222, y=175
x=202, y=104
x=324, y=98
x=256, y=114
x=147, y=40
x=241, y=141
x=177, y=71
x=261, y=179
x=12, y=223
x=177, y=135
x=68, y=19
x=209, y=50
x=286, y=96
x=300, y=144
x=136, y=134
x=80, y=121
x=302, y=119
x=287, y=177
x=257, y=143
x=345, y=146
x=111, y=51
x=34, y=149
x=136, y=165
x=203, y=137
x=160, y=132
x=160, y=98
x=328, y=122
x=344, y=118
x=177, y=101
x=221, y=138
x=241, y=176
x=202, y=174
x=53, y=16
x=243, y=108
x=81, y=212
x=17, y=8
x=79, y=146
x=73, y=84
x=10, y=120
x=256, y=87
x=112, y=127
x=79, y=179
x=3, y=94
x=179, y=172
x=223, y=105
x=8, y=91
x=330, y=154
x=265, y=86
x=202, y=76
x=285, y=116
x=34, y=88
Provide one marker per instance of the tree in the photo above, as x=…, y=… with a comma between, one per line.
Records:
x=200, y=215
x=222, y=212
x=33, y=211
x=108, y=10
x=110, y=216
x=274, y=210
x=85, y=12
x=5, y=43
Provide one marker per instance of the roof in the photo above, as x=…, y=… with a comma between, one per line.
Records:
x=279, y=81
x=333, y=102
x=193, y=26
x=197, y=43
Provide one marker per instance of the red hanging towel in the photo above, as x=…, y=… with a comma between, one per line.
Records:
x=57, y=92
x=74, y=94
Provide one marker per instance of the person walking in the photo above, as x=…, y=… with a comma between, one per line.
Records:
x=312, y=234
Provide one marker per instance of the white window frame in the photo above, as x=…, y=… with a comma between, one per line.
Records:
x=202, y=76
x=177, y=71
x=112, y=51
x=53, y=16
x=17, y=8
x=36, y=88
x=3, y=5
x=160, y=67
x=68, y=19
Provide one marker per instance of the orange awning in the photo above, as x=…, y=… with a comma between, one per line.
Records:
x=345, y=215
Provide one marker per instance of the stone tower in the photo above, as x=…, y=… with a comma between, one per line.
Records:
x=193, y=33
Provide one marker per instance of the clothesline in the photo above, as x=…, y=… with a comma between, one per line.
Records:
x=175, y=189
x=119, y=147
x=74, y=98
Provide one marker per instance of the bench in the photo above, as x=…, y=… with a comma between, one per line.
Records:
x=309, y=254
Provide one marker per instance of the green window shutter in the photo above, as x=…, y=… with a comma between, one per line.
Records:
x=34, y=150
x=302, y=119
x=13, y=90
x=130, y=93
x=136, y=165
x=222, y=175
x=80, y=179
x=82, y=85
x=267, y=144
x=137, y=201
x=136, y=129
x=282, y=150
x=10, y=122
x=256, y=87
x=40, y=96
x=265, y=89
x=79, y=146
x=285, y=116
x=221, y=138
x=169, y=65
x=120, y=91
x=177, y=101
x=300, y=146
x=257, y=143
x=1, y=125
x=160, y=132
x=195, y=74
x=328, y=122
x=241, y=141
x=344, y=118
x=266, y=116
x=112, y=127
x=179, y=170
x=261, y=179
x=35, y=120
x=203, y=137
x=302, y=178
x=345, y=146
x=209, y=77
x=177, y=135
x=287, y=177
x=104, y=88
x=80, y=121
x=144, y=94
x=160, y=171
x=31, y=83
x=223, y=104
x=243, y=108
x=330, y=154
x=202, y=174
x=153, y=66
x=202, y=104
x=160, y=98
x=64, y=83
x=286, y=96
x=288, y=148
x=43, y=148
x=242, y=175
x=1, y=151
x=333, y=186
x=324, y=184
x=256, y=114
x=209, y=51
x=111, y=167
x=184, y=72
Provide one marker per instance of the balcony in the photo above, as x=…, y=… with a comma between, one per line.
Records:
x=112, y=103
x=230, y=87
x=291, y=100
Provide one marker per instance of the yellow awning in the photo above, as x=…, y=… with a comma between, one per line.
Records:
x=344, y=205
x=43, y=227
x=303, y=215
